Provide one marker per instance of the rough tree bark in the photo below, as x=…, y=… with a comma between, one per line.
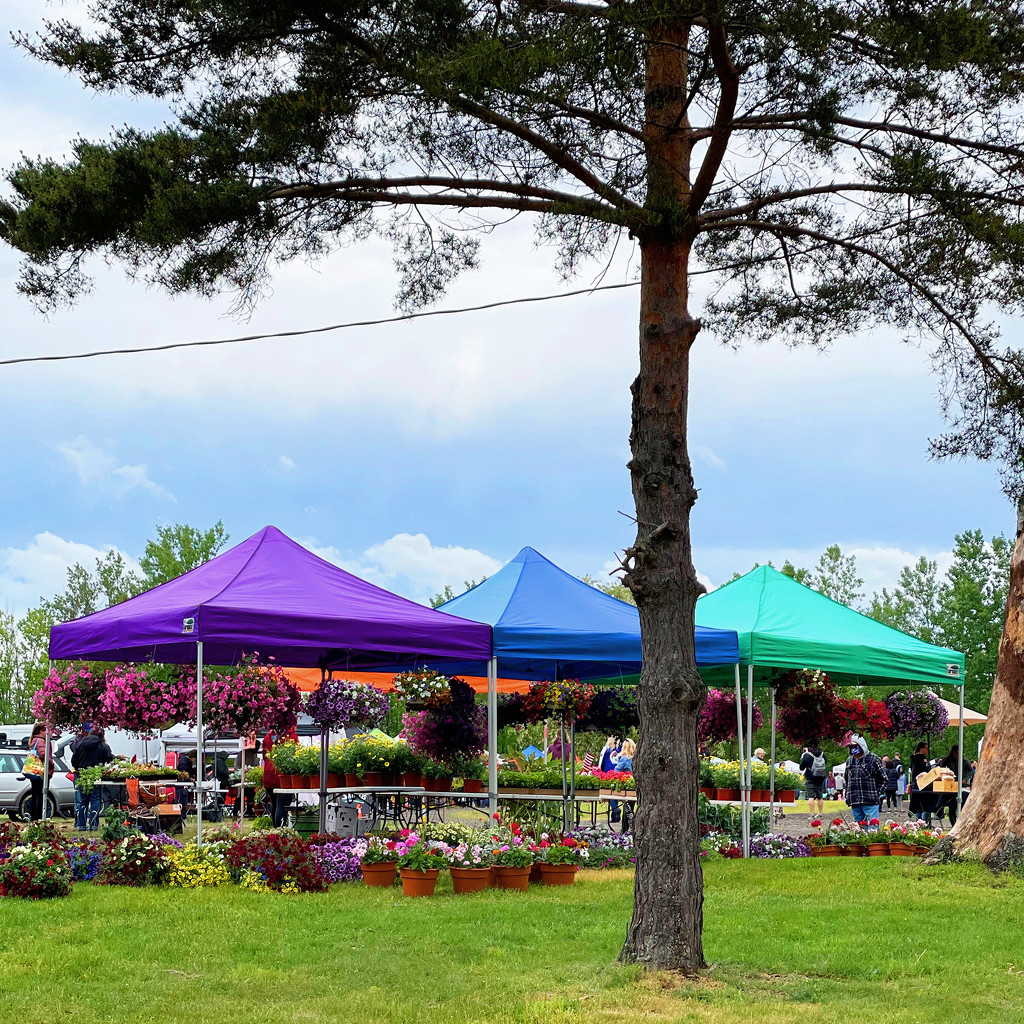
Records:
x=665, y=931
x=992, y=824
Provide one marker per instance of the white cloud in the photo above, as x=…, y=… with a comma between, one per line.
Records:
x=409, y=564
x=878, y=565
x=709, y=457
x=285, y=462
x=39, y=570
x=99, y=468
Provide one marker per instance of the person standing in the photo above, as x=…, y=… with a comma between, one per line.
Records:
x=34, y=768
x=922, y=804
x=187, y=766
x=90, y=752
x=892, y=781
x=952, y=762
x=830, y=785
x=865, y=780
x=815, y=769
x=901, y=784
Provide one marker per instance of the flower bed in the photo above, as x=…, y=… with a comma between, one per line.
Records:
x=35, y=871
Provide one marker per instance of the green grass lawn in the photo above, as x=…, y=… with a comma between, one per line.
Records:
x=876, y=940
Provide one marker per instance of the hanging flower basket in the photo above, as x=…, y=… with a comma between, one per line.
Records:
x=251, y=698
x=338, y=703
x=69, y=696
x=717, y=721
x=139, y=702
x=810, y=709
x=425, y=688
x=916, y=713
x=564, y=699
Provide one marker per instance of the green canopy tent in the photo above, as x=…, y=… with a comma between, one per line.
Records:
x=783, y=625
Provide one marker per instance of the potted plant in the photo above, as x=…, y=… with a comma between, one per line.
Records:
x=786, y=786
x=379, y=862
x=419, y=863
x=706, y=780
x=436, y=777
x=877, y=843
x=425, y=688
x=412, y=767
x=511, y=860
x=560, y=861
x=760, y=783
x=335, y=766
x=470, y=770
x=470, y=867
x=727, y=780
x=307, y=767
x=283, y=757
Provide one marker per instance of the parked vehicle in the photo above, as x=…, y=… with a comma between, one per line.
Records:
x=15, y=789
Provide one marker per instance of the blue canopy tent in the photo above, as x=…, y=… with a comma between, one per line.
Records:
x=548, y=624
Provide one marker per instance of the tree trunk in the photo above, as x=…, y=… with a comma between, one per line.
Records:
x=992, y=823
x=668, y=915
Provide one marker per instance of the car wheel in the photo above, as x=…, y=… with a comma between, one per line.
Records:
x=27, y=799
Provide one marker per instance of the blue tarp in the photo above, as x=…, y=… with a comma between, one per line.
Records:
x=547, y=621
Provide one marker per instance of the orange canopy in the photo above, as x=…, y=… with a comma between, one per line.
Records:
x=308, y=679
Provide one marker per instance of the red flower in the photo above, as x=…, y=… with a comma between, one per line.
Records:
x=837, y=821
x=874, y=821
x=544, y=844
x=496, y=816
x=49, y=863
x=817, y=823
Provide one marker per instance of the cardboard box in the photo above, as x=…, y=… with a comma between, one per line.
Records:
x=945, y=786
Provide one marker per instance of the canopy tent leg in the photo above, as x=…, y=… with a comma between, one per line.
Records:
x=960, y=749
x=771, y=782
x=322, y=826
x=739, y=736
x=200, y=758
x=572, y=776
x=565, y=781
x=750, y=752
x=492, y=737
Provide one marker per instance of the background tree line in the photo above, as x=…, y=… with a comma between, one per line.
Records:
x=24, y=642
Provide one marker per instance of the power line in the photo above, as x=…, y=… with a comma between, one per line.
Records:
x=312, y=330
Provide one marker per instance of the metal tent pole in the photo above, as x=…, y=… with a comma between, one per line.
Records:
x=46, y=772
x=492, y=736
x=960, y=749
x=322, y=826
x=565, y=781
x=771, y=784
x=200, y=759
x=739, y=736
x=572, y=777
x=750, y=747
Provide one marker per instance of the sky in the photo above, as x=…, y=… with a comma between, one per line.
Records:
x=428, y=453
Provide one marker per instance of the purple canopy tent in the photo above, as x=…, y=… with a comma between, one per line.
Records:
x=271, y=595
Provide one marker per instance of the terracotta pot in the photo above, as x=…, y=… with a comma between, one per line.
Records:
x=878, y=849
x=852, y=851
x=419, y=883
x=351, y=780
x=472, y=786
x=438, y=785
x=335, y=781
x=536, y=875
x=827, y=851
x=787, y=796
x=388, y=779
x=920, y=851
x=558, y=874
x=314, y=781
x=382, y=874
x=899, y=849
x=512, y=878
x=470, y=879
x=373, y=779
x=760, y=796
x=727, y=794
x=411, y=779
x=709, y=793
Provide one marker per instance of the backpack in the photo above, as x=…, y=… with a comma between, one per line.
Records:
x=819, y=766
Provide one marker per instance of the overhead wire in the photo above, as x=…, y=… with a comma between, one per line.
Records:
x=210, y=342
